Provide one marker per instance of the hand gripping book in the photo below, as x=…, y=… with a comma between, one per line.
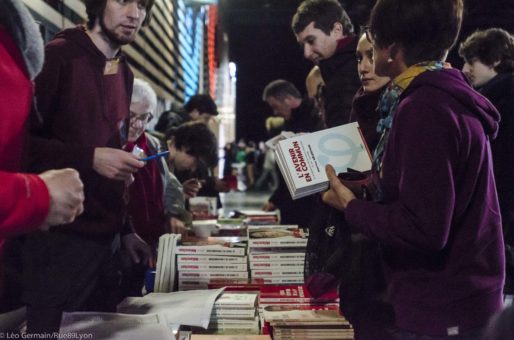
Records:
x=302, y=158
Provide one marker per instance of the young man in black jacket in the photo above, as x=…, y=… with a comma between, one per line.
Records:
x=325, y=33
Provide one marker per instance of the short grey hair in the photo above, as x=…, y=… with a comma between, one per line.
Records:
x=142, y=91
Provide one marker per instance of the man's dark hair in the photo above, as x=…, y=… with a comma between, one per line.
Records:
x=280, y=89
x=324, y=13
x=95, y=10
x=425, y=29
x=203, y=103
x=490, y=46
x=197, y=140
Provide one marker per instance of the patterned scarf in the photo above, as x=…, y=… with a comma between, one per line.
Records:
x=387, y=106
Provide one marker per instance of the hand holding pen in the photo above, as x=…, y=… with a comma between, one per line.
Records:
x=157, y=155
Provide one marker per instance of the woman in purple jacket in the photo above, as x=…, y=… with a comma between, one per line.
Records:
x=436, y=215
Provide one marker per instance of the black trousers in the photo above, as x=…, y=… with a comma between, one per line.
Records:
x=67, y=271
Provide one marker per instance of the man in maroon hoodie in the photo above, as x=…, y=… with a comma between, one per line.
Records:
x=437, y=216
x=83, y=96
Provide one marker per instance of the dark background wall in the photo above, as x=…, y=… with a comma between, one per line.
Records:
x=264, y=48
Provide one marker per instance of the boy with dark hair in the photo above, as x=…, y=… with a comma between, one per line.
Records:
x=493, y=48
x=196, y=141
x=325, y=33
x=489, y=66
x=436, y=214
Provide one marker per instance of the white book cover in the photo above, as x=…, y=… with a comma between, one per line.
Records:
x=274, y=280
x=302, y=158
x=210, y=249
x=272, y=257
x=173, y=239
x=233, y=313
x=261, y=273
x=212, y=275
x=213, y=267
x=242, y=300
x=159, y=264
x=190, y=259
x=183, y=286
x=165, y=267
x=278, y=264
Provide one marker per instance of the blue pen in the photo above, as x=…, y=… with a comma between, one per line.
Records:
x=157, y=155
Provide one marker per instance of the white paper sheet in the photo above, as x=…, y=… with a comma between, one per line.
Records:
x=95, y=325
x=191, y=308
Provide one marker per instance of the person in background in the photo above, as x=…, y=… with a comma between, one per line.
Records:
x=192, y=145
x=300, y=115
x=156, y=202
x=250, y=168
x=199, y=108
x=436, y=214
x=314, y=84
x=269, y=170
x=28, y=202
x=325, y=32
x=313, y=81
x=489, y=66
x=83, y=96
x=365, y=101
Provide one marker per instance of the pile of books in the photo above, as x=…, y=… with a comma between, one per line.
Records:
x=287, y=298
x=199, y=262
x=276, y=253
x=235, y=313
x=307, y=323
x=302, y=158
x=165, y=269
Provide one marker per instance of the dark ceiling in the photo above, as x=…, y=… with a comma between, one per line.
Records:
x=264, y=48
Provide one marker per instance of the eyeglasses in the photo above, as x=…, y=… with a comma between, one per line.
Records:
x=143, y=118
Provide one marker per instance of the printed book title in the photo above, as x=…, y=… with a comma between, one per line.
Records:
x=302, y=171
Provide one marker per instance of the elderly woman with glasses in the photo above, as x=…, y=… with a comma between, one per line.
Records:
x=156, y=202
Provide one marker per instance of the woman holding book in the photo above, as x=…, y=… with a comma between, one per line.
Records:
x=356, y=261
x=437, y=216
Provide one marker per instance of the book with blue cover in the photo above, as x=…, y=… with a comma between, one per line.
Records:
x=302, y=158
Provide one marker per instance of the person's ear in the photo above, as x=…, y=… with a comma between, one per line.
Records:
x=194, y=113
x=337, y=28
x=393, y=50
x=288, y=100
x=171, y=143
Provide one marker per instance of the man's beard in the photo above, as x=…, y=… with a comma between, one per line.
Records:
x=113, y=38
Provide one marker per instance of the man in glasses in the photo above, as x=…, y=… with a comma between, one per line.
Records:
x=83, y=95
x=325, y=32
